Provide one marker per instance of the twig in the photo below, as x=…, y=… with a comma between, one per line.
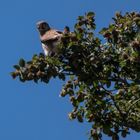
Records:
x=115, y=104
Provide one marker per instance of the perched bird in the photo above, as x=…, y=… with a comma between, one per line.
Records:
x=49, y=38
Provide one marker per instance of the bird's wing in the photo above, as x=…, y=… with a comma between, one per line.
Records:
x=51, y=35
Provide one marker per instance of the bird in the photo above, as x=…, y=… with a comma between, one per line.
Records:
x=50, y=37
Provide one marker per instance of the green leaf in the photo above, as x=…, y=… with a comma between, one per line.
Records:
x=80, y=118
x=90, y=14
x=103, y=30
x=17, y=67
x=80, y=17
x=99, y=102
x=22, y=62
x=14, y=74
x=61, y=76
x=106, y=129
x=123, y=63
x=35, y=56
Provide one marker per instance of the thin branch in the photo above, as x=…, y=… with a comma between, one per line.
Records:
x=115, y=104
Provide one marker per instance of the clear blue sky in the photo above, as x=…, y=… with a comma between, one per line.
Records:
x=31, y=111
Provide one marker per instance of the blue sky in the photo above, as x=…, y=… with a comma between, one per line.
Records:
x=31, y=111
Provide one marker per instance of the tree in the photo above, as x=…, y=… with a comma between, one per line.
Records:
x=104, y=76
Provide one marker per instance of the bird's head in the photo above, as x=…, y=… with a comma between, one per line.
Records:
x=43, y=26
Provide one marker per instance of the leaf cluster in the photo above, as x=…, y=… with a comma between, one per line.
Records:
x=104, y=78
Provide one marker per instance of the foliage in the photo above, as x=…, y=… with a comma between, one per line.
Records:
x=104, y=78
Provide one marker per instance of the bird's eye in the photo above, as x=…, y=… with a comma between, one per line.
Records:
x=44, y=25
